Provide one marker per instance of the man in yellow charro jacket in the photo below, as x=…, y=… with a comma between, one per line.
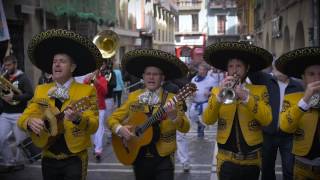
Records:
x=300, y=111
x=64, y=54
x=240, y=109
x=155, y=159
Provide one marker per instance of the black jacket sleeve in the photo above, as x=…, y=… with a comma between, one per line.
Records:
x=26, y=88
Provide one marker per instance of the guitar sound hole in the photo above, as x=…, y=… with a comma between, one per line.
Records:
x=138, y=131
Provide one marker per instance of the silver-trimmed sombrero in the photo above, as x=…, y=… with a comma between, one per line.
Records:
x=294, y=63
x=219, y=54
x=135, y=62
x=46, y=44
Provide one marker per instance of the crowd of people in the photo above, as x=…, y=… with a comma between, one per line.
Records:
x=78, y=101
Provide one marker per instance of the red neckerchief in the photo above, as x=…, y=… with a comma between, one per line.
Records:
x=12, y=78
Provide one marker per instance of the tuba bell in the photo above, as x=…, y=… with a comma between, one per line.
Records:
x=107, y=42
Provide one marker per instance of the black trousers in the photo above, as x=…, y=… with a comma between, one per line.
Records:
x=65, y=169
x=231, y=171
x=271, y=144
x=117, y=97
x=154, y=168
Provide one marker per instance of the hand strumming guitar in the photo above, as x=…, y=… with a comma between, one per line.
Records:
x=125, y=132
x=171, y=110
x=36, y=125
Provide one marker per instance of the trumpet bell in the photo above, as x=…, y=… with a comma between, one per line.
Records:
x=107, y=42
x=228, y=96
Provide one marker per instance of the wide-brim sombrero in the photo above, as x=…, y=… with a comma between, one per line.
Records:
x=294, y=63
x=46, y=44
x=219, y=54
x=135, y=62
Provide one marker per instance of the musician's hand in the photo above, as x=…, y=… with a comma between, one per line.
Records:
x=171, y=110
x=35, y=125
x=125, y=132
x=226, y=82
x=242, y=93
x=71, y=115
x=8, y=97
x=312, y=88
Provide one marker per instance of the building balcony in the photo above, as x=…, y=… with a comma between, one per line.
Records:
x=188, y=33
x=185, y=5
x=222, y=4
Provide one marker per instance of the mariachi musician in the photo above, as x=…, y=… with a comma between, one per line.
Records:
x=62, y=115
x=300, y=111
x=15, y=91
x=239, y=108
x=154, y=160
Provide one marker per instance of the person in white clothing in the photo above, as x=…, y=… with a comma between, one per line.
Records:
x=204, y=85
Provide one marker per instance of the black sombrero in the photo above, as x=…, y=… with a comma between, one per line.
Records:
x=135, y=62
x=294, y=63
x=219, y=54
x=45, y=45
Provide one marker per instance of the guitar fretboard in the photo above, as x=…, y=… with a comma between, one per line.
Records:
x=154, y=118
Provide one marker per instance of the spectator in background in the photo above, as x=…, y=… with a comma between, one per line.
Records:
x=200, y=100
x=112, y=82
x=117, y=91
x=98, y=80
x=45, y=78
x=278, y=85
x=216, y=75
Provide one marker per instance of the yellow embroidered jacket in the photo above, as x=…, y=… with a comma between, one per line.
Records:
x=302, y=124
x=252, y=115
x=167, y=142
x=77, y=136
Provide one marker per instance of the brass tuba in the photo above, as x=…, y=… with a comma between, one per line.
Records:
x=5, y=88
x=107, y=42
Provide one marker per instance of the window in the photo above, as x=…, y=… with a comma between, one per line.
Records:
x=176, y=23
x=195, y=22
x=221, y=24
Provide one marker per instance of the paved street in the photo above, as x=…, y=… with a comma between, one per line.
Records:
x=203, y=165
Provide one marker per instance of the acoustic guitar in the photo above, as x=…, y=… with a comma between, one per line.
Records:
x=127, y=151
x=53, y=121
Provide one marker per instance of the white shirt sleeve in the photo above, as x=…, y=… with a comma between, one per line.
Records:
x=303, y=105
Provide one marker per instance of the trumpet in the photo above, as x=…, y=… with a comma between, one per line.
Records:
x=6, y=87
x=228, y=94
x=315, y=101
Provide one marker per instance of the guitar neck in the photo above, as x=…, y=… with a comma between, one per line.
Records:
x=155, y=117
x=79, y=106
